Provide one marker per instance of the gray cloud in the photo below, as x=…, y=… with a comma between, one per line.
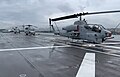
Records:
x=37, y=12
x=65, y=8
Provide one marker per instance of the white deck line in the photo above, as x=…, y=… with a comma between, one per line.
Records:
x=110, y=43
x=87, y=68
x=30, y=48
x=115, y=47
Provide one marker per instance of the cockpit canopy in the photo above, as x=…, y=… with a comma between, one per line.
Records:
x=94, y=27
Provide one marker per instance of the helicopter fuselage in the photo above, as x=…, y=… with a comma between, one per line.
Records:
x=90, y=32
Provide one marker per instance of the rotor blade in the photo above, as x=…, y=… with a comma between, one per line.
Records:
x=99, y=12
x=82, y=14
x=65, y=17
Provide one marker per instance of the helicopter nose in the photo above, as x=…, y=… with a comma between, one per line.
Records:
x=108, y=34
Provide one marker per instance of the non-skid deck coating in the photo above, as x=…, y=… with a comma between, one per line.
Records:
x=52, y=59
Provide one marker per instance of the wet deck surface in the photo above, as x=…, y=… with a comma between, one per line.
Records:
x=53, y=61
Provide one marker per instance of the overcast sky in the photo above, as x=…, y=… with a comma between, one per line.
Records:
x=37, y=12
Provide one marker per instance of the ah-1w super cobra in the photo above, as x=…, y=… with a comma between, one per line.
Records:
x=94, y=33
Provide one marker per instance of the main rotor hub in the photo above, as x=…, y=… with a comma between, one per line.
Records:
x=80, y=22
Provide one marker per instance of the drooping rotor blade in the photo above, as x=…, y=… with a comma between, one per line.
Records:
x=82, y=14
x=116, y=11
x=65, y=17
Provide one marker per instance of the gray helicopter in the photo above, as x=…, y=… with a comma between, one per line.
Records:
x=81, y=30
x=16, y=30
x=29, y=30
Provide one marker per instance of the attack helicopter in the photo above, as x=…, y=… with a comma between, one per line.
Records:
x=81, y=30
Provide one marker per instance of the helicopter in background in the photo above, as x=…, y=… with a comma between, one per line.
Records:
x=29, y=30
x=16, y=30
x=81, y=30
